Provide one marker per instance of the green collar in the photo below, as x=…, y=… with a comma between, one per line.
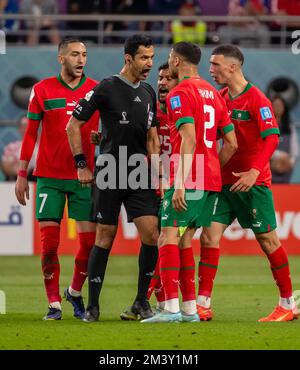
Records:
x=162, y=108
x=81, y=82
x=248, y=86
x=184, y=78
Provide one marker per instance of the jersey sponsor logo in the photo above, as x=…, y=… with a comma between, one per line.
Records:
x=72, y=104
x=265, y=113
x=269, y=123
x=124, y=121
x=89, y=95
x=137, y=99
x=175, y=102
x=163, y=127
x=178, y=111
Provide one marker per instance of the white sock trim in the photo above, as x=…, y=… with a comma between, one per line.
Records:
x=56, y=305
x=189, y=307
x=172, y=305
x=204, y=301
x=287, y=303
x=73, y=292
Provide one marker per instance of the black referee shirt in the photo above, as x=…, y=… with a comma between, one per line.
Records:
x=127, y=112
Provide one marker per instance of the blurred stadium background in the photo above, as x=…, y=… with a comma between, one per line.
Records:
x=266, y=30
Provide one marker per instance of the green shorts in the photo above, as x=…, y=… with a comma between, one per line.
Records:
x=200, y=205
x=254, y=209
x=51, y=196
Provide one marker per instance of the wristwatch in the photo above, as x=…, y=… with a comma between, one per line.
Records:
x=81, y=164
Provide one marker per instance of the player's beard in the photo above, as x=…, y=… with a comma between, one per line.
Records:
x=162, y=100
x=173, y=73
x=71, y=71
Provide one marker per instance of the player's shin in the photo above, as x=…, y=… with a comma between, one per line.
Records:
x=50, y=263
x=147, y=262
x=87, y=241
x=208, y=267
x=169, y=272
x=96, y=271
x=187, y=280
x=154, y=280
x=281, y=273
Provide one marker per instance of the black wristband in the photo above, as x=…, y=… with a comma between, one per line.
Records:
x=80, y=160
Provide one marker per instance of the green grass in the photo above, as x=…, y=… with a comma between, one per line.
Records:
x=244, y=292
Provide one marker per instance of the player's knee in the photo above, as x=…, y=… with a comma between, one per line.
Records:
x=161, y=239
x=50, y=236
x=269, y=242
x=105, y=236
x=151, y=236
x=208, y=239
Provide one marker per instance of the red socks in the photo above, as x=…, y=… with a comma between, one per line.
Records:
x=169, y=269
x=156, y=286
x=50, y=263
x=187, y=274
x=87, y=241
x=281, y=271
x=208, y=267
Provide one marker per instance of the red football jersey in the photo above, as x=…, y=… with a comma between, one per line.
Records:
x=163, y=129
x=195, y=101
x=52, y=102
x=253, y=118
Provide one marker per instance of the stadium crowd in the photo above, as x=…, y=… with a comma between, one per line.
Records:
x=246, y=33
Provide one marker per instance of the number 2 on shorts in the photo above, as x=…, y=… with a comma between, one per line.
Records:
x=44, y=196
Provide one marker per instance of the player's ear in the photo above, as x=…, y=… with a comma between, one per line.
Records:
x=128, y=59
x=233, y=67
x=60, y=59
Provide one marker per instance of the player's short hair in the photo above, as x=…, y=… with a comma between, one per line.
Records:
x=134, y=42
x=189, y=51
x=162, y=67
x=229, y=51
x=67, y=41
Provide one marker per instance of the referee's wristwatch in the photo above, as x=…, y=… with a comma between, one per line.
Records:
x=80, y=161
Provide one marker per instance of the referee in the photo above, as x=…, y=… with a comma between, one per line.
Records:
x=128, y=118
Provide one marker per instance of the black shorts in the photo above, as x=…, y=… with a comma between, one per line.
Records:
x=107, y=204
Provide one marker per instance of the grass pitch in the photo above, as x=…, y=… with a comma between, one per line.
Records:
x=244, y=292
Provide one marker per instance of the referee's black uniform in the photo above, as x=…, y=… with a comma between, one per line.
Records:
x=127, y=112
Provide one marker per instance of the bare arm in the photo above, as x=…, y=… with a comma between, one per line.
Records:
x=153, y=143
x=85, y=175
x=187, y=148
x=28, y=144
x=229, y=148
x=74, y=135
